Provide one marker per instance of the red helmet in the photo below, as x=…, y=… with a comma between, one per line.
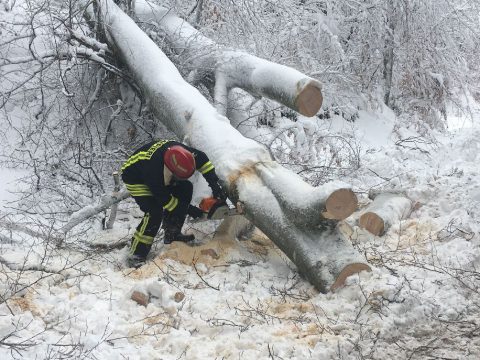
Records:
x=179, y=161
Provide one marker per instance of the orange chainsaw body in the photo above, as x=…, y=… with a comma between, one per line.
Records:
x=216, y=209
x=207, y=203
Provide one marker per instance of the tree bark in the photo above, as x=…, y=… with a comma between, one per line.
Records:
x=258, y=76
x=277, y=201
x=388, y=55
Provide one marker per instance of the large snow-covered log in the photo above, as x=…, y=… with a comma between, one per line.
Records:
x=277, y=201
x=233, y=68
x=385, y=210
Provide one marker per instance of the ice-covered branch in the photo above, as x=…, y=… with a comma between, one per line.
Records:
x=56, y=54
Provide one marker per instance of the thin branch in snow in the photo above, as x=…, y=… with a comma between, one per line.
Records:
x=194, y=264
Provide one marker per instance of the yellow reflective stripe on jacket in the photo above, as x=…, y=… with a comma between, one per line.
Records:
x=138, y=190
x=144, y=155
x=172, y=204
x=206, y=167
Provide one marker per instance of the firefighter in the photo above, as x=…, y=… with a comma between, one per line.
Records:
x=156, y=177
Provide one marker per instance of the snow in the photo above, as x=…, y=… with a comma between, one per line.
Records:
x=420, y=301
x=373, y=129
x=423, y=293
x=9, y=179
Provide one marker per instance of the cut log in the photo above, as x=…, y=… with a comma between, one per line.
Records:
x=269, y=192
x=385, y=210
x=140, y=298
x=349, y=270
x=305, y=205
x=233, y=68
x=309, y=100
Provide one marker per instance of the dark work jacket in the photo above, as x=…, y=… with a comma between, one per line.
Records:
x=146, y=167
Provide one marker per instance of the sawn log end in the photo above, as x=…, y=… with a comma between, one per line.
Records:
x=347, y=271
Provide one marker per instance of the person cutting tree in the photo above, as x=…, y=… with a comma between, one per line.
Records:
x=156, y=175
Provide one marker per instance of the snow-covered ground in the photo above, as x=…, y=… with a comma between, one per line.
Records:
x=231, y=299
x=245, y=300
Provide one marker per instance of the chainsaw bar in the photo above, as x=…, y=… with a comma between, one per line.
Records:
x=221, y=211
x=215, y=209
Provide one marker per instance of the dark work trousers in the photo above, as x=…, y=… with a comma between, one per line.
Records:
x=147, y=229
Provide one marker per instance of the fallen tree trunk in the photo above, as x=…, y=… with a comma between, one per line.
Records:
x=245, y=167
x=232, y=68
x=385, y=210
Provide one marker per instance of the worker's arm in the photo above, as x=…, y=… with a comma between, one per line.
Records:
x=207, y=169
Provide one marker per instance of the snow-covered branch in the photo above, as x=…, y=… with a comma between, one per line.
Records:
x=103, y=204
x=234, y=68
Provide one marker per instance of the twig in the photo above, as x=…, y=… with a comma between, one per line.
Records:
x=204, y=281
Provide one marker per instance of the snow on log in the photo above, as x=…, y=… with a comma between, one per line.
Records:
x=234, y=68
x=385, y=210
x=324, y=256
x=304, y=204
x=321, y=254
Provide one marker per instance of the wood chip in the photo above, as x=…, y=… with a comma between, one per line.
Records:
x=179, y=296
x=140, y=298
x=210, y=252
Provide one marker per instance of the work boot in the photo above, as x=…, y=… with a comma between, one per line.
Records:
x=138, y=254
x=172, y=235
x=136, y=261
x=172, y=226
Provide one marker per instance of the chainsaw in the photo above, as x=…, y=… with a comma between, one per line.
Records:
x=215, y=209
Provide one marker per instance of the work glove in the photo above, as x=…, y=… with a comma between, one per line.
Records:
x=217, y=191
x=195, y=212
x=214, y=183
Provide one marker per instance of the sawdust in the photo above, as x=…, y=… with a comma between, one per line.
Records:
x=289, y=307
x=188, y=255
x=224, y=246
x=412, y=233
x=161, y=320
x=259, y=244
x=309, y=334
x=26, y=303
x=151, y=335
